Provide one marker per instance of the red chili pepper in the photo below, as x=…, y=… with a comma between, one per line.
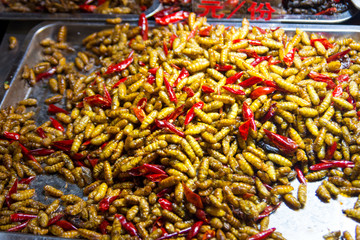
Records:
x=248, y=115
x=107, y=94
x=261, y=91
x=54, y=109
x=192, y=33
x=26, y=152
x=166, y=51
x=249, y=52
x=165, y=204
x=268, y=210
x=322, y=78
x=41, y=132
x=46, y=74
x=289, y=57
x=97, y=100
x=18, y=227
x=151, y=79
x=323, y=41
x=170, y=91
x=274, y=29
x=120, y=66
x=128, y=226
x=262, y=31
x=343, y=78
x=163, y=192
x=192, y=197
x=11, y=135
x=170, y=126
x=156, y=177
x=166, y=11
x=19, y=217
x=350, y=99
x=250, y=81
x=178, y=111
x=244, y=129
x=100, y=2
x=270, y=113
x=207, y=89
x=269, y=83
x=340, y=163
x=234, y=91
x=55, y=219
x=87, y=8
x=189, y=91
x=172, y=18
x=194, y=230
x=337, y=56
x=321, y=166
x=56, y=124
x=64, y=143
x=183, y=74
x=273, y=61
x=66, y=225
x=233, y=79
x=262, y=235
x=337, y=91
x=300, y=175
x=209, y=234
x=27, y=180
x=139, y=113
x=259, y=60
x=93, y=162
x=204, y=32
x=104, y=204
x=153, y=70
x=142, y=103
x=330, y=152
x=172, y=38
x=144, y=26
x=255, y=42
x=223, y=68
x=201, y=215
x=141, y=63
x=190, y=114
x=328, y=11
x=146, y=169
x=103, y=226
x=285, y=144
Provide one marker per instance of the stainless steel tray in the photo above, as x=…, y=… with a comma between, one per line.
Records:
x=7, y=15
x=312, y=222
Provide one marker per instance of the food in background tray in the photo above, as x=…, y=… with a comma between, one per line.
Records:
x=71, y=6
x=317, y=7
x=186, y=130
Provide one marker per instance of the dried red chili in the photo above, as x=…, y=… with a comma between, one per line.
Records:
x=244, y=129
x=285, y=144
x=52, y=109
x=165, y=204
x=170, y=91
x=183, y=74
x=119, y=66
x=46, y=74
x=192, y=197
x=190, y=114
x=194, y=230
x=234, y=78
x=207, y=89
x=234, y=91
x=172, y=18
x=56, y=124
x=250, y=82
x=261, y=91
x=144, y=26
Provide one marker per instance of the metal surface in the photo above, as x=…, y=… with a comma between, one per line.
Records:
x=7, y=15
x=312, y=222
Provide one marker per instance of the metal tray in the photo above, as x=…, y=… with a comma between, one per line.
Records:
x=7, y=15
x=312, y=222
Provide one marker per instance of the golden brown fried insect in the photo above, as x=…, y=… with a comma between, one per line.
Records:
x=53, y=191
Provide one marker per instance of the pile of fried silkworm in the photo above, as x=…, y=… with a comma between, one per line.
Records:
x=72, y=6
x=187, y=131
